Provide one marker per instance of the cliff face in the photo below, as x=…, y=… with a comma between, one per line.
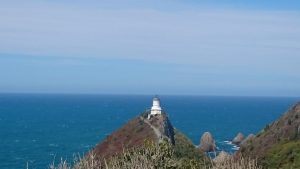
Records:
x=161, y=126
x=283, y=131
x=134, y=133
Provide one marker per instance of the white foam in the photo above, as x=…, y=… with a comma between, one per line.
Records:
x=228, y=142
x=235, y=148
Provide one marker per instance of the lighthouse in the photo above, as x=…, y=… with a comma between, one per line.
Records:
x=155, y=109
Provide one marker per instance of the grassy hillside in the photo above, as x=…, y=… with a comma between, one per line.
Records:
x=277, y=145
x=133, y=134
x=150, y=144
x=184, y=148
x=156, y=156
x=283, y=155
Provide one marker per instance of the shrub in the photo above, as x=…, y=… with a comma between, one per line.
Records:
x=284, y=156
x=153, y=156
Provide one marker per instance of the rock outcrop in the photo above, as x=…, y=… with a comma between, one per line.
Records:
x=238, y=138
x=248, y=138
x=222, y=157
x=207, y=142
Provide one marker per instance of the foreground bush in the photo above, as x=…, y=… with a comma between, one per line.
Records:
x=285, y=155
x=153, y=156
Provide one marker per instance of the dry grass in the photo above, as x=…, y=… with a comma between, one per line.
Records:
x=153, y=156
x=241, y=163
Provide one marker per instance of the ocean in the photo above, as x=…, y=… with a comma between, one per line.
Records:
x=40, y=129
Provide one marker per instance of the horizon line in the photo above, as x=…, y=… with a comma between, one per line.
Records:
x=141, y=94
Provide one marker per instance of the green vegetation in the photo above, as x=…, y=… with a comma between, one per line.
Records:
x=278, y=144
x=185, y=149
x=155, y=156
x=283, y=155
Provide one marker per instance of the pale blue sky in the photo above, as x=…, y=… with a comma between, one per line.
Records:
x=221, y=47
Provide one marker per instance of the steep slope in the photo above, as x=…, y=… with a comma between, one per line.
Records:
x=274, y=138
x=185, y=149
x=134, y=133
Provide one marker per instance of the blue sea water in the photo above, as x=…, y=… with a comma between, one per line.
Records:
x=38, y=129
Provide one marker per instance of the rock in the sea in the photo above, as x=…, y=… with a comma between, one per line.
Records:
x=207, y=142
x=238, y=139
x=222, y=157
x=249, y=137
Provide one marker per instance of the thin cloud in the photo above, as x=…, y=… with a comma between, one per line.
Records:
x=147, y=34
x=242, y=45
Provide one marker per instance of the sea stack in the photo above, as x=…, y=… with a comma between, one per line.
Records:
x=238, y=139
x=207, y=142
x=249, y=137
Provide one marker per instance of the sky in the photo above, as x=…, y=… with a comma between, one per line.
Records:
x=174, y=47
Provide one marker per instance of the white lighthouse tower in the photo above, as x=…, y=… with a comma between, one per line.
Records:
x=155, y=109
